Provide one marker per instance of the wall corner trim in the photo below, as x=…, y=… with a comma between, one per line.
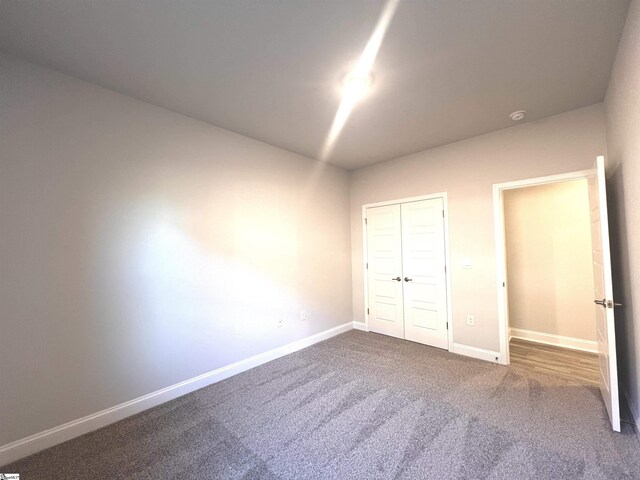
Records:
x=360, y=326
x=40, y=441
x=479, y=353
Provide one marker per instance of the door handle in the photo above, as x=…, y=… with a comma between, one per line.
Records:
x=407, y=279
x=607, y=303
x=397, y=279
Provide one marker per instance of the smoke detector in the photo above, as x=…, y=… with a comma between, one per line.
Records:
x=518, y=115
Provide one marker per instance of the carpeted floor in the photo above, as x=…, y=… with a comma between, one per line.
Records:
x=360, y=406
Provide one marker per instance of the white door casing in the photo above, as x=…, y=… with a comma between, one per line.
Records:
x=501, y=254
x=424, y=275
x=384, y=272
x=604, y=293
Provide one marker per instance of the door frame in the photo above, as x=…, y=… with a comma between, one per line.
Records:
x=501, y=248
x=365, y=256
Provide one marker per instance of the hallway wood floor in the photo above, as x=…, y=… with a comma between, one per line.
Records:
x=574, y=365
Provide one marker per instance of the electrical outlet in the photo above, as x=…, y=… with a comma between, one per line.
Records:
x=280, y=322
x=303, y=315
x=471, y=320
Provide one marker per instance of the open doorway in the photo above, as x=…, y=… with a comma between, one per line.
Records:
x=552, y=320
x=602, y=290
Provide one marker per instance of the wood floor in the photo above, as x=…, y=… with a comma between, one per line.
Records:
x=581, y=367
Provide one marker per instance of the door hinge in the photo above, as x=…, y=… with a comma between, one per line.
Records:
x=367, y=311
x=447, y=325
x=367, y=265
x=366, y=221
x=442, y=213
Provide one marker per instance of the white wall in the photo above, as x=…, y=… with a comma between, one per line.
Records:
x=140, y=248
x=466, y=171
x=623, y=138
x=549, y=264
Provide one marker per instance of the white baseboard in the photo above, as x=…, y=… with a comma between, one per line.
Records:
x=40, y=441
x=557, y=340
x=360, y=326
x=479, y=353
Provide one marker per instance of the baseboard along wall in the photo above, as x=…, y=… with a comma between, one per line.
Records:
x=48, y=438
x=557, y=340
x=479, y=353
x=360, y=326
x=62, y=433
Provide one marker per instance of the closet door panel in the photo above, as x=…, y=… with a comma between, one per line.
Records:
x=424, y=277
x=384, y=272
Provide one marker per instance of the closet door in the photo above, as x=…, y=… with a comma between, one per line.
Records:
x=424, y=276
x=384, y=273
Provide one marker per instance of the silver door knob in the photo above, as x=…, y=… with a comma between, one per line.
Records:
x=407, y=279
x=397, y=279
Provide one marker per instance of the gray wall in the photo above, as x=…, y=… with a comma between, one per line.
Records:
x=549, y=259
x=623, y=138
x=466, y=171
x=140, y=248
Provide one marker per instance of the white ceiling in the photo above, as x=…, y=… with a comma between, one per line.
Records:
x=270, y=69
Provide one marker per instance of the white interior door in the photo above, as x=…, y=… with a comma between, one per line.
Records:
x=384, y=272
x=604, y=293
x=424, y=276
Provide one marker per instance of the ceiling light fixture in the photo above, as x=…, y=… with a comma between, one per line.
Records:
x=518, y=115
x=356, y=85
x=358, y=82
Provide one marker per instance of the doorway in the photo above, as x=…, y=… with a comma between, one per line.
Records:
x=549, y=274
x=406, y=285
x=601, y=290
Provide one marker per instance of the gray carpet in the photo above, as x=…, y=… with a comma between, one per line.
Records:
x=360, y=406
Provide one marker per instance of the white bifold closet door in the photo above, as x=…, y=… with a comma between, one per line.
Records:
x=423, y=270
x=384, y=270
x=406, y=271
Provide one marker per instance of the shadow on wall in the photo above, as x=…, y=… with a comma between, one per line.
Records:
x=625, y=331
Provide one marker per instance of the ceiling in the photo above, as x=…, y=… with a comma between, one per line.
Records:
x=271, y=69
